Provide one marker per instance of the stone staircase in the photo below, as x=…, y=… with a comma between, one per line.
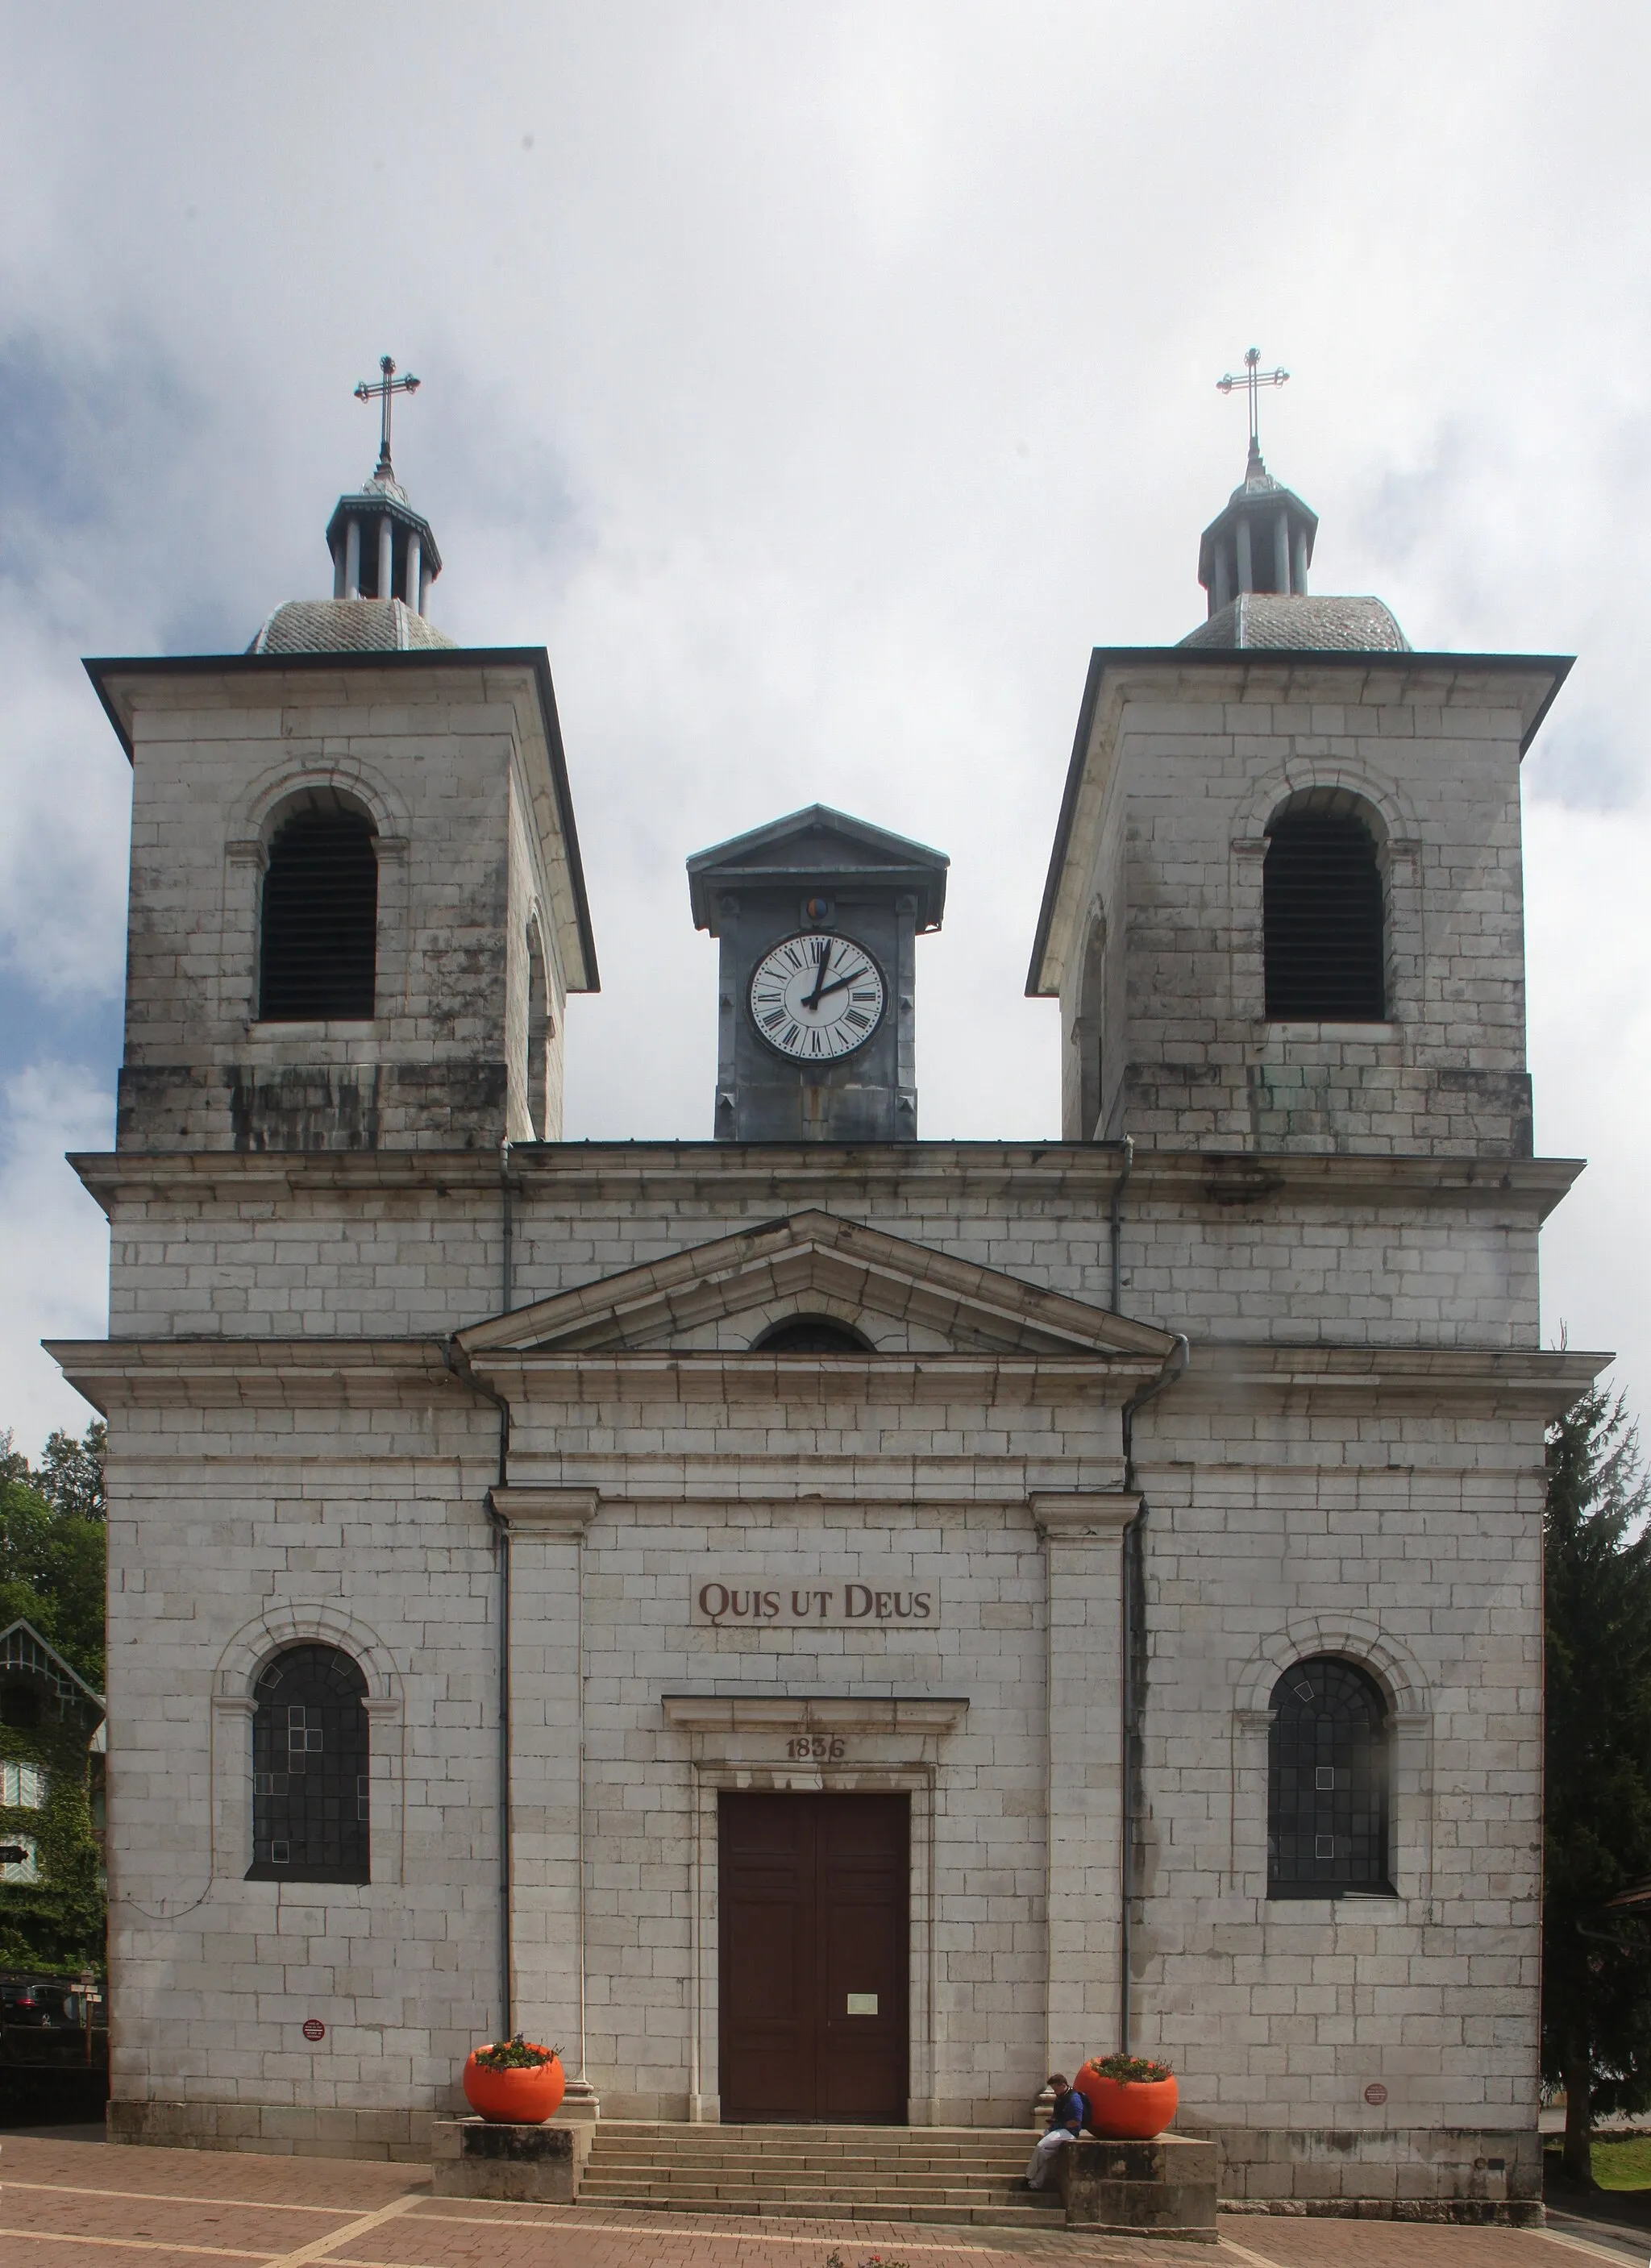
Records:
x=958, y=2174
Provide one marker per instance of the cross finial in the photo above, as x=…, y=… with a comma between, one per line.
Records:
x=386, y=386
x=1253, y=379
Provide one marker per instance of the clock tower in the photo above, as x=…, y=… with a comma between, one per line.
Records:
x=817, y=916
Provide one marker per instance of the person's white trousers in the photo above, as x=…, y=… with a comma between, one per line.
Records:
x=1037, y=2166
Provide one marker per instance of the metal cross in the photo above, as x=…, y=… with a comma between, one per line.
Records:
x=385, y=388
x=1254, y=378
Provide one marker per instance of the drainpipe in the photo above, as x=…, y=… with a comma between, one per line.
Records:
x=1132, y=1679
x=459, y=1363
x=1118, y=1188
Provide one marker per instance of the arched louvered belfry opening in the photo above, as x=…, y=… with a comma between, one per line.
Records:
x=812, y=1334
x=310, y=1763
x=318, y=949
x=1322, y=920
x=1328, y=1756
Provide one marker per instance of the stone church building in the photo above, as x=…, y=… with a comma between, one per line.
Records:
x=825, y=1625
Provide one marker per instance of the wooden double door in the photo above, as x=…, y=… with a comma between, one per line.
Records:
x=814, y=1957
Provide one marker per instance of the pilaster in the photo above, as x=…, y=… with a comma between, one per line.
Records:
x=1083, y=1555
x=544, y=1530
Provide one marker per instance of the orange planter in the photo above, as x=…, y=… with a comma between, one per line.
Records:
x=1127, y=2109
x=524, y=2097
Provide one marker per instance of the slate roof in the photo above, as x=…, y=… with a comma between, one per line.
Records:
x=1300, y=625
x=347, y=626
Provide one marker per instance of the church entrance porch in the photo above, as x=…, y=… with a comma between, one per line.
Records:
x=813, y=1956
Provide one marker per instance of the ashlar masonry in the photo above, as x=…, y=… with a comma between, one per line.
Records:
x=1163, y=1500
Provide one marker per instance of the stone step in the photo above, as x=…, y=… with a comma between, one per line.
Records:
x=970, y=2176
x=1028, y=2216
x=997, y=2192
x=791, y=2164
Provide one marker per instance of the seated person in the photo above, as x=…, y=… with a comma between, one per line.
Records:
x=1067, y=2121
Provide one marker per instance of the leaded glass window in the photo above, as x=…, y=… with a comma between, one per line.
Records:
x=1327, y=1783
x=310, y=1770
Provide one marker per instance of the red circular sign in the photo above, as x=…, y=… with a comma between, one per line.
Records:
x=1375, y=2094
x=313, y=2028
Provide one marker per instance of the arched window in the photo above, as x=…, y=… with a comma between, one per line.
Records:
x=309, y=1762
x=1322, y=916
x=321, y=917
x=811, y=1335
x=1327, y=1783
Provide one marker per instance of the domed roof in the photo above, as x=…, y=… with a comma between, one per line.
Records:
x=347, y=626
x=1294, y=622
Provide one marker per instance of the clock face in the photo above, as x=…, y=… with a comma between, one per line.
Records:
x=817, y=997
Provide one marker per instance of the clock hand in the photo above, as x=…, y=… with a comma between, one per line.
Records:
x=812, y=1001
x=837, y=985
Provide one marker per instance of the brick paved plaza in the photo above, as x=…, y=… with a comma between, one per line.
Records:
x=71, y=2204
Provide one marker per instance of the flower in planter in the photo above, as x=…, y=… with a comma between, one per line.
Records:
x=1125, y=2069
x=515, y=2054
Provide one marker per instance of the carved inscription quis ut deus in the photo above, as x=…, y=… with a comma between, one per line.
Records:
x=814, y=1604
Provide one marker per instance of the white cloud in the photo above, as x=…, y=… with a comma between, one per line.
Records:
x=819, y=385
x=54, y=1243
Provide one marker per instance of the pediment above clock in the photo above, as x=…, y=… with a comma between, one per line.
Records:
x=818, y=848
x=904, y=1298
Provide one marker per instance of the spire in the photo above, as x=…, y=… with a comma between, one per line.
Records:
x=1253, y=559
x=385, y=558
x=1264, y=539
x=381, y=547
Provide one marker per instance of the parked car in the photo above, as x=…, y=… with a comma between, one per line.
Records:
x=50, y=2023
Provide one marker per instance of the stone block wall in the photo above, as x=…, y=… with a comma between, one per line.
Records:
x=1161, y=914
x=447, y=761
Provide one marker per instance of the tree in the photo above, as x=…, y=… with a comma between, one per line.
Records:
x=1596, y=1964
x=71, y=1472
x=53, y=1546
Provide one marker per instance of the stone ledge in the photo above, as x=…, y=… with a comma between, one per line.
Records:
x=1163, y=2188
x=517, y=2164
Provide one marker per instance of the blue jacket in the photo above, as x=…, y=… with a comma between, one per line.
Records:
x=1070, y=2110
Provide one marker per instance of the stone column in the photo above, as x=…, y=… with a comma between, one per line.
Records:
x=1222, y=595
x=387, y=555
x=547, y=1738
x=1298, y=573
x=415, y=555
x=1281, y=554
x=352, y=560
x=1084, y=1562
x=1246, y=572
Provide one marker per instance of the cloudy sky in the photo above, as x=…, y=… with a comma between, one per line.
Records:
x=819, y=384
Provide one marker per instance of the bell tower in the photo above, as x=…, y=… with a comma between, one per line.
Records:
x=357, y=906
x=817, y=916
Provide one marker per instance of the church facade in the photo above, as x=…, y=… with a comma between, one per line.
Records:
x=820, y=1622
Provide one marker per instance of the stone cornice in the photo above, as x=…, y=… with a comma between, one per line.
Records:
x=261, y=1374
x=360, y=1373
x=1069, y=1517
x=781, y=1175
x=872, y=1380
x=556, y=1514
x=1225, y=1372
x=786, y=1713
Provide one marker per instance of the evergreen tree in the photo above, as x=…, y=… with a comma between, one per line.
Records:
x=1596, y=1964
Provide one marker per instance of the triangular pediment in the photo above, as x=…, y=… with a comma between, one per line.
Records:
x=904, y=1297
x=822, y=848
